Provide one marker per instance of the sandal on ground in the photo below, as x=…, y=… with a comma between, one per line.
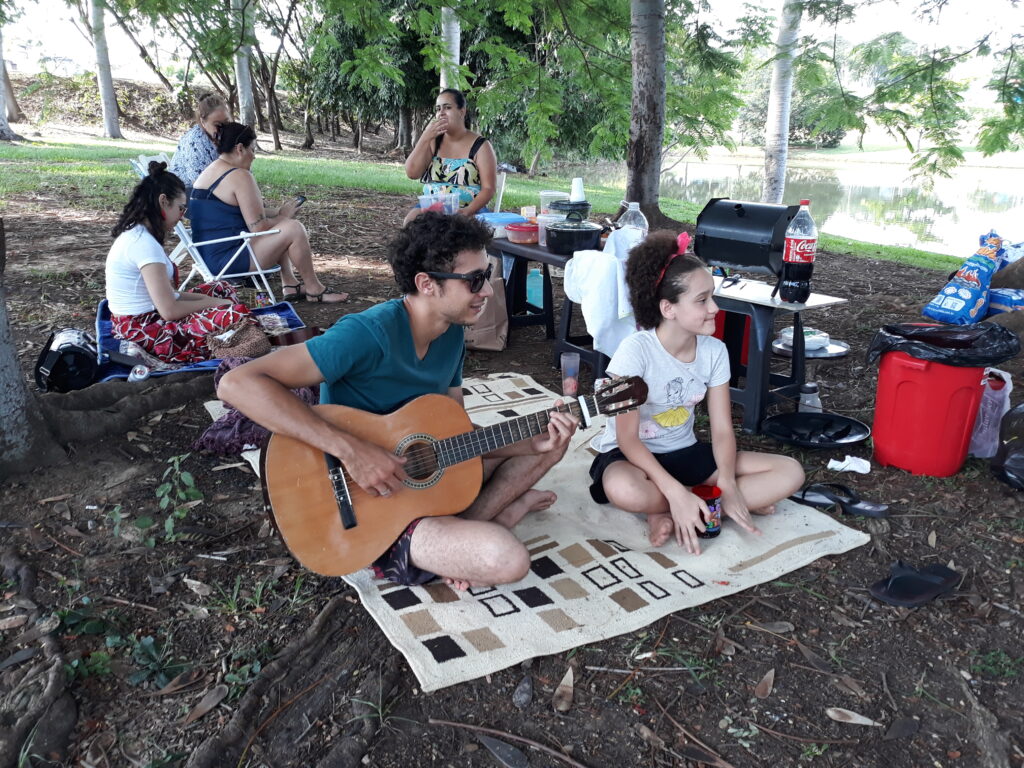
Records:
x=300, y=291
x=910, y=587
x=319, y=297
x=825, y=495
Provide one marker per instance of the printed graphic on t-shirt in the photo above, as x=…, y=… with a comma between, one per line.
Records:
x=676, y=409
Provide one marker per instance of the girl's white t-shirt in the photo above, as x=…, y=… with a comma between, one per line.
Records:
x=126, y=289
x=674, y=388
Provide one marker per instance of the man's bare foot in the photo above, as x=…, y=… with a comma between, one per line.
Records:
x=460, y=584
x=659, y=528
x=531, y=501
x=769, y=510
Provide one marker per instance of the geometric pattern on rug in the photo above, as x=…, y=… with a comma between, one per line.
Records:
x=593, y=573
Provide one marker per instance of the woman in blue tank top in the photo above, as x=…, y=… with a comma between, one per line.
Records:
x=226, y=200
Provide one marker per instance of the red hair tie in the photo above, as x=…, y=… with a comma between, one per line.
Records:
x=682, y=243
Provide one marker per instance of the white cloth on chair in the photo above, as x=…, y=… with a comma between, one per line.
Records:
x=596, y=280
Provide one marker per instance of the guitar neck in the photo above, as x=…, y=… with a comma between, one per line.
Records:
x=469, y=445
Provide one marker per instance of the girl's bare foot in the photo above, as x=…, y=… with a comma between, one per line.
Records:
x=659, y=528
x=769, y=510
x=460, y=584
x=531, y=501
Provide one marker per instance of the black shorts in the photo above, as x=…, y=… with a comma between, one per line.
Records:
x=690, y=466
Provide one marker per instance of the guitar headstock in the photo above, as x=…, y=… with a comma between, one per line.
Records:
x=619, y=395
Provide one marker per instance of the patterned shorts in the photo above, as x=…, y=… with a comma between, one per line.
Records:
x=395, y=564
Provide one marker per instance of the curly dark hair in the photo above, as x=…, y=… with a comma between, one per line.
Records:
x=643, y=269
x=144, y=205
x=431, y=242
x=231, y=135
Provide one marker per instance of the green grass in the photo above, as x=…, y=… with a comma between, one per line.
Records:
x=96, y=175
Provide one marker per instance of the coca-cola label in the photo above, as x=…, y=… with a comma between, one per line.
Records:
x=800, y=250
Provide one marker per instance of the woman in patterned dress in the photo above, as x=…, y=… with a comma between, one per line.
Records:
x=144, y=305
x=197, y=148
x=451, y=158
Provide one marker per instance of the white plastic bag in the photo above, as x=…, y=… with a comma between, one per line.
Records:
x=995, y=402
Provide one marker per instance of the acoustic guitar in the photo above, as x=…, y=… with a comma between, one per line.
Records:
x=334, y=527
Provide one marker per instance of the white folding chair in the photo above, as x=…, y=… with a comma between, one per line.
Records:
x=499, y=190
x=187, y=247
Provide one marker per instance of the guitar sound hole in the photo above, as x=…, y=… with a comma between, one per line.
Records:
x=421, y=462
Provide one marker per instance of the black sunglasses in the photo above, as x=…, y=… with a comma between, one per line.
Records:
x=475, y=279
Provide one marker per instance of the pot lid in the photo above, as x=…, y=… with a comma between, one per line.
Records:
x=574, y=222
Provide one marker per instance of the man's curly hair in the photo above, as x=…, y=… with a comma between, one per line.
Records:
x=431, y=242
x=643, y=269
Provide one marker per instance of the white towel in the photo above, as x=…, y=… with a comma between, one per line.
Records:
x=596, y=280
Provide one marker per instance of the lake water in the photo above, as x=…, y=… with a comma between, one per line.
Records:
x=866, y=201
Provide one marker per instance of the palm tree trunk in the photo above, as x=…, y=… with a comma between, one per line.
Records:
x=108, y=99
x=243, y=75
x=13, y=110
x=451, y=38
x=776, y=129
x=6, y=132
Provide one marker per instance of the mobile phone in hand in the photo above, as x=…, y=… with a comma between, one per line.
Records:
x=299, y=200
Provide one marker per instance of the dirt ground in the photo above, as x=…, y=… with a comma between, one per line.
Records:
x=308, y=678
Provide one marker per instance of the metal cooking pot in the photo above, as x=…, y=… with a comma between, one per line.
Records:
x=573, y=234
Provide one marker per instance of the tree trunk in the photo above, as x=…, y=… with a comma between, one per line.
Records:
x=308, y=125
x=25, y=441
x=533, y=165
x=261, y=120
x=243, y=75
x=406, y=122
x=13, y=110
x=647, y=119
x=108, y=99
x=776, y=129
x=6, y=132
x=451, y=40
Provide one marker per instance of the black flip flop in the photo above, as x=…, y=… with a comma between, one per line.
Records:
x=825, y=495
x=910, y=587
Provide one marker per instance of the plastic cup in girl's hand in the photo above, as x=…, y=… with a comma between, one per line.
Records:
x=451, y=203
x=432, y=203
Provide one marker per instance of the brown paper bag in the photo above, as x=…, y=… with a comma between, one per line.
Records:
x=490, y=331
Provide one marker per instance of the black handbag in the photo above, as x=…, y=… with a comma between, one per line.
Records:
x=69, y=361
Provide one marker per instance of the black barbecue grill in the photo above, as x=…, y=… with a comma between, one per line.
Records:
x=747, y=237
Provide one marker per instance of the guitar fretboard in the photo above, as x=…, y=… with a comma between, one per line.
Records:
x=458, y=448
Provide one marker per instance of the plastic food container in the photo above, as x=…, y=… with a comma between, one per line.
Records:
x=521, y=233
x=544, y=220
x=547, y=197
x=498, y=220
x=813, y=338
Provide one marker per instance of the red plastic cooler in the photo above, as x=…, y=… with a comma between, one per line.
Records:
x=924, y=414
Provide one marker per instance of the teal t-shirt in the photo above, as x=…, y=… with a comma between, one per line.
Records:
x=368, y=360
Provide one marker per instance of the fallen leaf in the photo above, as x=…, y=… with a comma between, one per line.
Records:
x=779, y=627
x=562, y=700
x=506, y=754
x=932, y=539
x=847, y=684
x=55, y=498
x=523, y=694
x=18, y=657
x=846, y=716
x=650, y=736
x=13, y=622
x=219, y=467
x=902, y=728
x=723, y=646
x=209, y=701
x=702, y=756
x=815, y=660
x=184, y=680
x=764, y=688
x=203, y=590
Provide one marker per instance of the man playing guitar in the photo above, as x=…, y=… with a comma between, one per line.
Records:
x=380, y=359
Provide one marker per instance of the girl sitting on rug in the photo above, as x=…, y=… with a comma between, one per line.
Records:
x=650, y=458
x=145, y=306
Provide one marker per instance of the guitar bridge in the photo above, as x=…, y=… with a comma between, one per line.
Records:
x=341, y=495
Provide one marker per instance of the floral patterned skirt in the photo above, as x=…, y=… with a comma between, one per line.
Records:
x=184, y=340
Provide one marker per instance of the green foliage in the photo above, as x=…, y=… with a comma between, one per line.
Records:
x=96, y=664
x=996, y=664
x=155, y=661
x=85, y=620
x=176, y=493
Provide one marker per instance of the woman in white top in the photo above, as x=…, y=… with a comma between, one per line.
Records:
x=144, y=305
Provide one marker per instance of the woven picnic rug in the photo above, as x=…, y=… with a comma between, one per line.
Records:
x=594, y=575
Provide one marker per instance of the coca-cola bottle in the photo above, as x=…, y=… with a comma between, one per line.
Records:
x=798, y=256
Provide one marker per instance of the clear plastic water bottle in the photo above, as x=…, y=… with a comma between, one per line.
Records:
x=798, y=256
x=139, y=373
x=634, y=217
x=810, y=400
x=535, y=288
